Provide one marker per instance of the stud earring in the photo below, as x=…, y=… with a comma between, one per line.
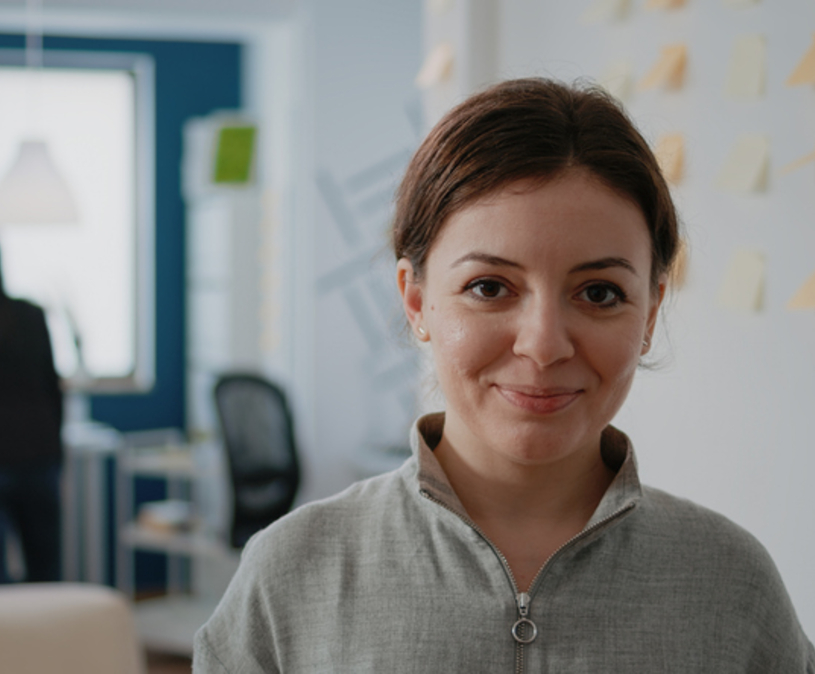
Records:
x=646, y=343
x=422, y=332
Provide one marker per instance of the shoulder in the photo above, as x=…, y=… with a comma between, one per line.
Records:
x=27, y=315
x=693, y=533
x=718, y=558
x=23, y=307
x=698, y=529
x=303, y=559
x=334, y=527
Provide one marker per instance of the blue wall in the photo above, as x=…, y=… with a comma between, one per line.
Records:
x=192, y=79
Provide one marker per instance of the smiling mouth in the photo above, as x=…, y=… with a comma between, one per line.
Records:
x=540, y=402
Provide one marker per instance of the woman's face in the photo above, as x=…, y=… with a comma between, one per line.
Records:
x=536, y=302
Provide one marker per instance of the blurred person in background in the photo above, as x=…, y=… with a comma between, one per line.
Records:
x=30, y=445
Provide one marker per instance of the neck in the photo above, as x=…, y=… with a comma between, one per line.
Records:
x=494, y=489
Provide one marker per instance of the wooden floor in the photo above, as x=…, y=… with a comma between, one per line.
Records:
x=161, y=663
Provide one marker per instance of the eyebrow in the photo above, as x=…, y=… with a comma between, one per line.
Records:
x=486, y=258
x=605, y=263
x=593, y=265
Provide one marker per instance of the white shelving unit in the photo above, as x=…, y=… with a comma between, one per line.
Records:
x=169, y=623
x=224, y=285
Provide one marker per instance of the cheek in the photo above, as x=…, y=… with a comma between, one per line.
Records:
x=616, y=359
x=462, y=345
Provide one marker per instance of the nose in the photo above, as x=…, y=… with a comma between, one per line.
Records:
x=542, y=332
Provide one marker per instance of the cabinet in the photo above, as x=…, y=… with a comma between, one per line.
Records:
x=200, y=563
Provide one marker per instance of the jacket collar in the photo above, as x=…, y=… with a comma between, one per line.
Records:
x=617, y=451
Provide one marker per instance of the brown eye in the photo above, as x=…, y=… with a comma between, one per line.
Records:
x=602, y=295
x=487, y=289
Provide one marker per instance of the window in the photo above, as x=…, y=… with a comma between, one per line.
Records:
x=94, y=277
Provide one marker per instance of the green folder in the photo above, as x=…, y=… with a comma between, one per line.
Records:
x=236, y=149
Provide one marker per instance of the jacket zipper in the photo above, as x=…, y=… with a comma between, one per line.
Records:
x=524, y=631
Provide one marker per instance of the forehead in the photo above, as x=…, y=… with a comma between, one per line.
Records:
x=574, y=213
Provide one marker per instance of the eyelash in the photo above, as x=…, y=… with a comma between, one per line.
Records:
x=619, y=294
x=480, y=283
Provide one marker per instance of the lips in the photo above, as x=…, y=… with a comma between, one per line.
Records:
x=539, y=401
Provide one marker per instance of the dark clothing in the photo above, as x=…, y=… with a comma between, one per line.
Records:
x=30, y=396
x=29, y=498
x=30, y=444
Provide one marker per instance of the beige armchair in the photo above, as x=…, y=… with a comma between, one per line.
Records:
x=69, y=628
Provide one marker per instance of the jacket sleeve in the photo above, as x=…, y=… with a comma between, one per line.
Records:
x=239, y=636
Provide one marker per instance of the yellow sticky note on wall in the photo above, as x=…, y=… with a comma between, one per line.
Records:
x=804, y=72
x=745, y=169
x=746, y=71
x=743, y=285
x=616, y=80
x=669, y=70
x=663, y=4
x=805, y=297
x=679, y=269
x=436, y=67
x=605, y=10
x=670, y=154
x=798, y=163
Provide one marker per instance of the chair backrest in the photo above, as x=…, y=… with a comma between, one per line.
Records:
x=258, y=436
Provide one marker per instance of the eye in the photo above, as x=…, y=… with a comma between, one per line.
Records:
x=487, y=289
x=602, y=295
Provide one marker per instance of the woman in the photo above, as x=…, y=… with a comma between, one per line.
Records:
x=534, y=234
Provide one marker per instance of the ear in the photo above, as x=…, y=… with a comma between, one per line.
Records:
x=653, y=312
x=411, y=291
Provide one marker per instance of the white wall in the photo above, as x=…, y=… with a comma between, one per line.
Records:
x=728, y=419
x=366, y=121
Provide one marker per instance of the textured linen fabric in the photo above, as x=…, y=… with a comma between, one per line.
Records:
x=391, y=576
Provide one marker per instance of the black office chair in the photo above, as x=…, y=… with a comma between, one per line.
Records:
x=259, y=439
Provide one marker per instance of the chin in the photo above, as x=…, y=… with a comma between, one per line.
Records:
x=534, y=447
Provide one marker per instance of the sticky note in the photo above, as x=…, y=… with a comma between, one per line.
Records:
x=804, y=72
x=670, y=154
x=798, y=163
x=669, y=70
x=436, y=67
x=746, y=71
x=741, y=3
x=663, y=4
x=804, y=298
x=745, y=169
x=616, y=80
x=233, y=157
x=743, y=286
x=605, y=10
x=679, y=269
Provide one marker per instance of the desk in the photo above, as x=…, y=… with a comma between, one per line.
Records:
x=85, y=506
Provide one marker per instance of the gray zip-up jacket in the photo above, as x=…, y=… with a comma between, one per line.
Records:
x=392, y=577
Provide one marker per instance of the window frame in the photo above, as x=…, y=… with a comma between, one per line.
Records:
x=142, y=68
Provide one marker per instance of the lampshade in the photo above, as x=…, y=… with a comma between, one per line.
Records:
x=33, y=191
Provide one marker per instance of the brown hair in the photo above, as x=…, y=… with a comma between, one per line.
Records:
x=521, y=129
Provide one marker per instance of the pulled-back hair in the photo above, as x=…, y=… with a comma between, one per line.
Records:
x=529, y=129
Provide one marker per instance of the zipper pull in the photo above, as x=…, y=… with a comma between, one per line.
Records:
x=524, y=624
